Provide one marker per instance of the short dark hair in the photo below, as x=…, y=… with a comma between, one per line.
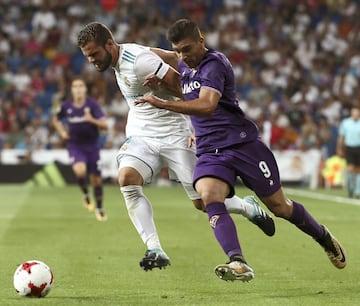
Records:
x=183, y=28
x=94, y=31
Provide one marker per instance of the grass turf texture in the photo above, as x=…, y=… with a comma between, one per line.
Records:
x=97, y=263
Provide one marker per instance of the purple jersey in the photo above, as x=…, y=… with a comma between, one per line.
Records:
x=81, y=132
x=227, y=126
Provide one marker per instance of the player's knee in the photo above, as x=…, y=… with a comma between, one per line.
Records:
x=131, y=194
x=96, y=180
x=281, y=210
x=79, y=169
x=198, y=204
x=128, y=177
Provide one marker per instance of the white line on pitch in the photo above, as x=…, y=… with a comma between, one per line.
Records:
x=322, y=196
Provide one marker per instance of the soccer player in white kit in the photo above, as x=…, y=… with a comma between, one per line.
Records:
x=156, y=138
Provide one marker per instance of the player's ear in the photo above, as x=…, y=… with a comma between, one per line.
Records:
x=109, y=45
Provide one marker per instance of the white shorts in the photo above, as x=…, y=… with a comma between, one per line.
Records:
x=148, y=155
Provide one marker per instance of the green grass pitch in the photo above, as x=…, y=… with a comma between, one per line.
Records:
x=97, y=263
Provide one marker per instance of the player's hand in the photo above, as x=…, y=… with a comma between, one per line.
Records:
x=87, y=114
x=64, y=135
x=191, y=140
x=151, y=99
x=153, y=82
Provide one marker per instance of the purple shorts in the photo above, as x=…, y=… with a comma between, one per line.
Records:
x=88, y=155
x=253, y=162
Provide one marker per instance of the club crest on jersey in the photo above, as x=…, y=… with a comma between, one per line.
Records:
x=127, y=82
x=213, y=220
x=243, y=135
x=189, y=87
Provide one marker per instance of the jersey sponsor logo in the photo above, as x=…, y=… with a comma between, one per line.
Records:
x=189, y=87
x=213, y=220
x=76, y=119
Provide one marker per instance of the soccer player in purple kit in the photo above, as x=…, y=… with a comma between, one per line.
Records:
x=84, y=118
x=228, y=146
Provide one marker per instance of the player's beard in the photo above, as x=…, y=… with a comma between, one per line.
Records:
x=105, y=64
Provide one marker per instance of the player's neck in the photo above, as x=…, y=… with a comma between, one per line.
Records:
x=116, y=55
x=79, y=102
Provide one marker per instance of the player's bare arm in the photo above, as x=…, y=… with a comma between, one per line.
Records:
x=202, y=106
x=169, y=57
x=100, y=123
x=169, y=84
x=340, y=146
x=171, y=81
x=59, y=127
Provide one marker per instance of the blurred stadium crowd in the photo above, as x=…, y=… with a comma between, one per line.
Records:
x=297, y=63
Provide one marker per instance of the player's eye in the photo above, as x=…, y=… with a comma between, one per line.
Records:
x=186, y=49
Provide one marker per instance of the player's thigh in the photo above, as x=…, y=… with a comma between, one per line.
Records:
x=181, y=161
x=256, y=166
x=140, y=155
x=79, y=169
x=78, y=160
x=216, y=166
x=178, y=157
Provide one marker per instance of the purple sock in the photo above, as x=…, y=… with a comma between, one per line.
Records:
x=305, y=222
x=82, y=182
x=224, y=228
x=98, y=194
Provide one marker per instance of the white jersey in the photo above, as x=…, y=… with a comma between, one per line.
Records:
x=135, y=64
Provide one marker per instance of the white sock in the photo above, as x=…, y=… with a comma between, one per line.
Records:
x=237, y=205
x=141, y=215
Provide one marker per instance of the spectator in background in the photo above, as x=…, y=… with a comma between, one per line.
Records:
x=116, y=136
x=38, y=134
x=16, y=137
x=308, y=137
x=44, y=18
x=21, y=79
x=326, y=132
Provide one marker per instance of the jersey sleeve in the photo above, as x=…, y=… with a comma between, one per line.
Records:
x=96, y=110
x=149, y=63
x=214, y=76
x=60, y=111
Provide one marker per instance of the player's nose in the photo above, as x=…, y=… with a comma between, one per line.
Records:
x=183, y=56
